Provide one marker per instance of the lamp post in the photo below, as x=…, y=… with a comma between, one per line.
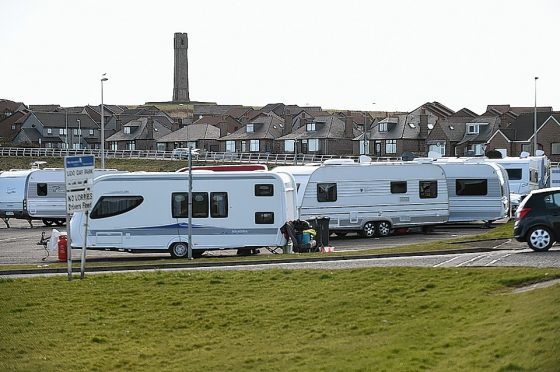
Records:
x=535, y=120
x=190, y=204
x=79, y=134
x=66, y=131
x=103, y=78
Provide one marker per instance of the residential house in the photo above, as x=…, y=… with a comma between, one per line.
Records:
x=198, y=135
x=326, y=134
x=58, y=130
x=519, y=136
x=201, y=110
x=398, y=134
x=448, y=132
x=477, y=133
x=256, y=136
x=116, y=122
x=11, y=114
x=138, y=134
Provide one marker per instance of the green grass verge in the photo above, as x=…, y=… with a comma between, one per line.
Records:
x=386, y=319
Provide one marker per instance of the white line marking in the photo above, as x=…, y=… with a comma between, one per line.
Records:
x=446, y=261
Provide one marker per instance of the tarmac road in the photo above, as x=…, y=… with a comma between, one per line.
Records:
x=18, y=244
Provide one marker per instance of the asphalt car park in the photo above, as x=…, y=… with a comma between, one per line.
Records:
x=19, y=244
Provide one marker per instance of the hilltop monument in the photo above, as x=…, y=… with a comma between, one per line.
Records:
x=181, y=70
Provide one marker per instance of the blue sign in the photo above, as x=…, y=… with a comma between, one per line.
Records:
x=79, y=161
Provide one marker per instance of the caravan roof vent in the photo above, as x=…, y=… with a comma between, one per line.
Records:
x=338, y=162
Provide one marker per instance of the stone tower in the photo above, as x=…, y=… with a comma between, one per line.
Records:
x=181, y=70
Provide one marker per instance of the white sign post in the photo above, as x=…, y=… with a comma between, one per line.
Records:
x=78, y=174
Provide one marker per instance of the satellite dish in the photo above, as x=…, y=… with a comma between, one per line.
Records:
x=434, y=154
x=364, y=159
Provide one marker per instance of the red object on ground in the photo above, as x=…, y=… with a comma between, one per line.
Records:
x=62, y=246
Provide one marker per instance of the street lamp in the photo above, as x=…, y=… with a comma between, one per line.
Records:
x=79, y=134
x=535, y=121
x=103, y=78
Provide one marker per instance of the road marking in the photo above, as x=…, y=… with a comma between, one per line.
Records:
x=446, y=261
x=497, y=259
x=471, y=260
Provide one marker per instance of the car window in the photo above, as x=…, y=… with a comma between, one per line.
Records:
x=552, y=200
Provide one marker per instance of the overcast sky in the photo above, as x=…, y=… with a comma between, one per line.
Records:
x=368, y=55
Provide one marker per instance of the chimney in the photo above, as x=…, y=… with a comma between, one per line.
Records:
x=423, y=124
x=288, y=121
x=348, y=126
x=150, y=128
x=223, y=129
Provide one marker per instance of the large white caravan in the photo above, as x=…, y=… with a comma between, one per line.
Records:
x=45, y=196
x=478, y=190
x=372, y=198
x=13, y=186
x=525, y=173
x=148, y=211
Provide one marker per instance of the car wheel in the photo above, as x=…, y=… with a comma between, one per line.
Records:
x=60, y=222
x=179, y=250
x=383, y=228
x=540, y=239
x=368, y=231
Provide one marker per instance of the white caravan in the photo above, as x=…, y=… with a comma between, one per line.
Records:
x=478, y=190
x=372, y=198
x=148, y=211
x=13, y=186
x=45, y=196
x=524, y=173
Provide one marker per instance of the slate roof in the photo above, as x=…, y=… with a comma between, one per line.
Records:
x=206, y=109
x=329, y=126
x=522, y=128
x=192, y=132
x=266, y=127
x=44, y=108
x=399, y=127
x=454, y=128
x=58, y=120
x=485, y=131
x=141, y=133
x=6, y=104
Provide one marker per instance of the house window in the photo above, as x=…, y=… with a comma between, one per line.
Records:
x=475, y=149
x=428, y=189
x=377, y=148
x=114, y=146
x=264, y=218
x=126, y=130
x=49, y=130
x=398, y=187
x=254, y=145
x=526, y=147
x=91, y=132
x=218, y=204
x=383, y=127
x=131, y=145
x=326, y=192
x=472, y=128
x=391, y=146
x=438, y=148
x=230, y=146
x=310, y=127
x=289, y=145
x=555, y=150
x=264, y=190
x=250, y=128
x=472, y=187
x=313, y=145
x=78, y=132
x=62, y=131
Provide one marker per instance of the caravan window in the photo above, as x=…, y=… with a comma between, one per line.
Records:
x=428, y=189
x=108, y=206
x=262, y=218
x=264, y=190
x=398, y=187
x=514, y=173
x=218, y=204
x=471, y=187
x=326, y=192
x=533, y=175
x=180, y=205
x=42, y=189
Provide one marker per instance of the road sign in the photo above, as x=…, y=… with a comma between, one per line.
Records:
x=78, y=174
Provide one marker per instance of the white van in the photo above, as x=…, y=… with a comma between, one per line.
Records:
x=148, y=211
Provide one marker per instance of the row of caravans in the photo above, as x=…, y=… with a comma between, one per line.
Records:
x=36, y=194
x=372, y=199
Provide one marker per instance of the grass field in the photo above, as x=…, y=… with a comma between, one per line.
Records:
x=381, y=319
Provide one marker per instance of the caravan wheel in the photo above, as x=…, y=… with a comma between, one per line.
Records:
x=179, y=250
x=368, y=231
x=47, y=222
x=383, y=228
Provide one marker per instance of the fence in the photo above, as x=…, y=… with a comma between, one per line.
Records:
x=203, y=157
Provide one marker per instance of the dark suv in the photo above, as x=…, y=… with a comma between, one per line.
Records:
x=537, y=219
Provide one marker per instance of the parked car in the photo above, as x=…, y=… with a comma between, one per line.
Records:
x=183, y=153
x=537, y=219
